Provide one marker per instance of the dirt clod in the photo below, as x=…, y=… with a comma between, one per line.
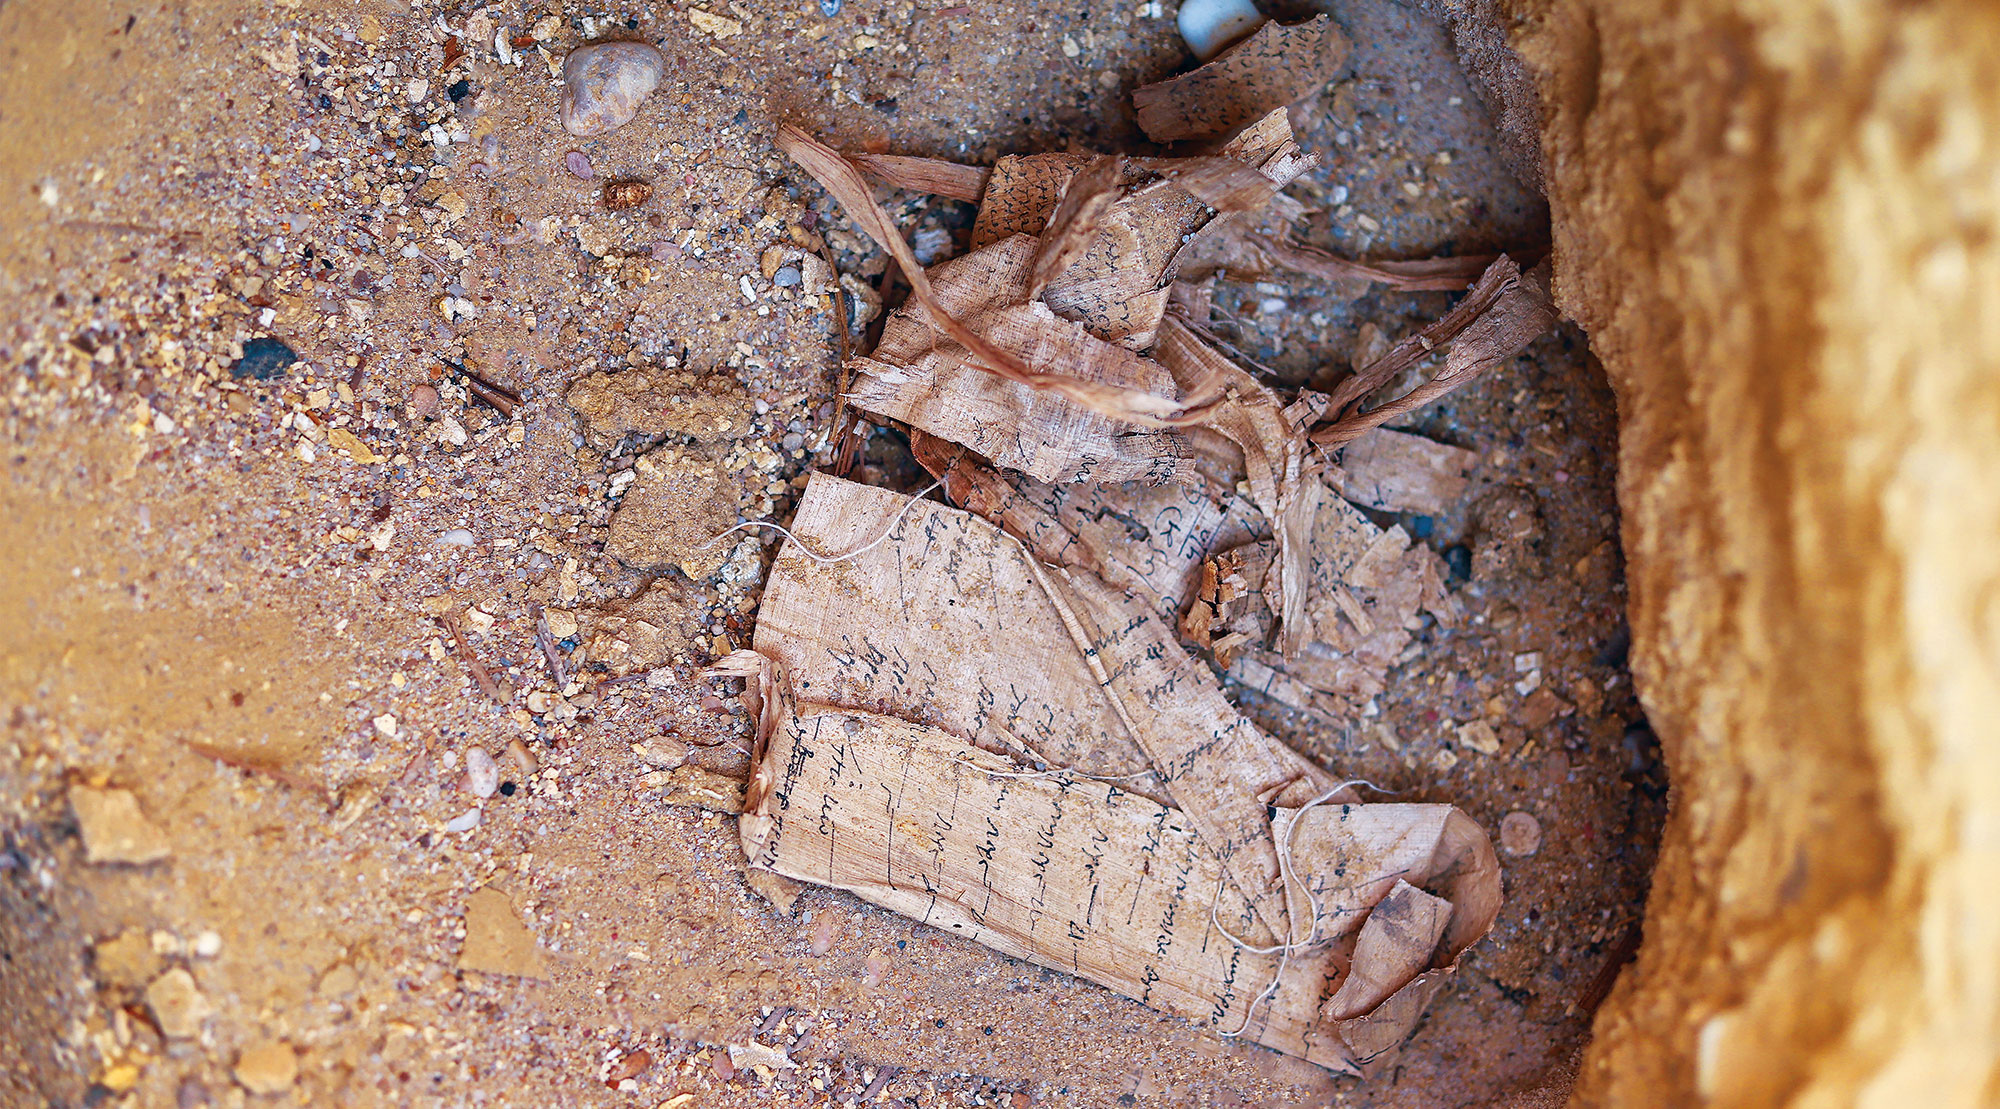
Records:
x=496, y=942
x=267, y=1068
x=672, y=512
x=115, y=829
x=177, y=1004
x=653, y=403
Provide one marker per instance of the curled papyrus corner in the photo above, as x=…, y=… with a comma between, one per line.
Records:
x=1025, y=756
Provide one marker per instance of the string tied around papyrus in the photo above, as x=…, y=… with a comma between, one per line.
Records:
x=827, y=560
x=1287, y=875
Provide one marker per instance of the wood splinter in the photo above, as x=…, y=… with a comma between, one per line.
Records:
x=493, y=394
x=477, y=668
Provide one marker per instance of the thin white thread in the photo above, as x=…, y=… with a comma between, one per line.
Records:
x=1287, y=874
x=826, y=560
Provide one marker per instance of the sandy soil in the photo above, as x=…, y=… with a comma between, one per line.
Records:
x=231, y=597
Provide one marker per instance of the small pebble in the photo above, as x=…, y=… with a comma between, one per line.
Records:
x=874, y=968
x=423, y=402
x=207, y=945
x=1520, y=834
x=178, y=1005
x=1211, y=26
x=825, y=930
x=786, y=277
x=605, y=82
x=114, y=828
x=666, y=752
x=268, y=1068
x=482, y=774
x=579, y=164
x=521, y=759
x=457, y=537
x=463, y=822
x=630, y=1065
x=263, y=359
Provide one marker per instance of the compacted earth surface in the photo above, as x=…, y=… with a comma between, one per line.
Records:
x=336, y=684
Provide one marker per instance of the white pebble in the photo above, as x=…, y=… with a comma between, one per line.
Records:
x=463, y=822
x=482, y=774
x=457, y=537
x=208, y=945
x=1212, y=26
x=605, y=82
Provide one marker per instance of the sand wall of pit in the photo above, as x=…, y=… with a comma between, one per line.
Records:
x=1780, y=224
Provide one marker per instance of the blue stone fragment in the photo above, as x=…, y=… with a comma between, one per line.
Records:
x=263, y=359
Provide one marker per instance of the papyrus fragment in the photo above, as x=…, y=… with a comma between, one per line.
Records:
x=843, y=178
x=1277, y=66
x=947, y=621
x=923, y=377
x=1119, y=271
x=1395, y=471
x=1365, y=587
x=1150, y=540
x=1093, y=880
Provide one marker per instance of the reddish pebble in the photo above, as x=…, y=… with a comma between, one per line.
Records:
x=423, y=402
x=579, y=165
x=725, y=1068
x=631, y=1065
